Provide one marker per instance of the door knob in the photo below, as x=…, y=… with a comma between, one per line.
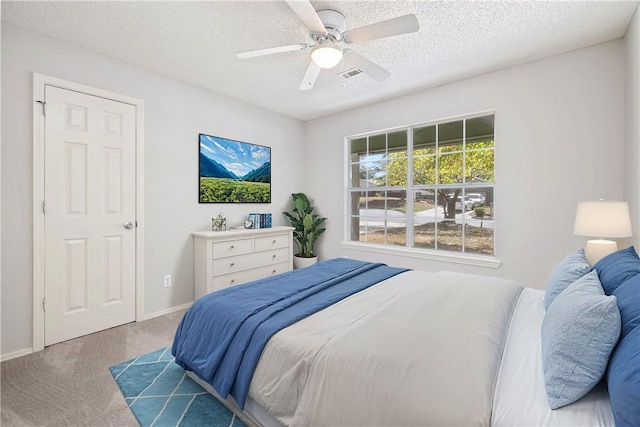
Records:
x=128, y=225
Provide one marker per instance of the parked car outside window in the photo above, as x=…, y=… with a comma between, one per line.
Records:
x=477, y=198
x=466, y=201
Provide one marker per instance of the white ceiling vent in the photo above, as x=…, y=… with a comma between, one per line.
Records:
x=349, y=73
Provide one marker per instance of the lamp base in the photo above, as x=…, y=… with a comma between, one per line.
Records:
x=597, y=249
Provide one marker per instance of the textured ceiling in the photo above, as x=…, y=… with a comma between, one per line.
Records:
x=196, y=42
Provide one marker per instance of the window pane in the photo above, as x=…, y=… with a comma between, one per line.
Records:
x=378, y=144
x=481, y=196
x=479, y=231
x=384, y=219
x=357, y=203
x=424, y=218
x=479, y=129
x=449, y=235
x=355, y=234
x=424, y=140
x=450, y=168
x=450, y=133
x=424, y=160
x=359, y=145
x=424, y=170
x=396, y=218
x=424, y=236
x=479, y=166
x=396, y=172
x=449, y=203
x=397, y=233
x=354, y=175
x=369, y=175
x=361, y=203
x=398, y=143
x=479, y=237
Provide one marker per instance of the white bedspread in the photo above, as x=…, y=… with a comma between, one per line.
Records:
x=400, y=353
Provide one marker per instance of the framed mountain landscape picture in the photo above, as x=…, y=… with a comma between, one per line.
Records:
x=233, y=171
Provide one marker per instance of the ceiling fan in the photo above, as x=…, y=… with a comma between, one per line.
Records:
x=327, y=28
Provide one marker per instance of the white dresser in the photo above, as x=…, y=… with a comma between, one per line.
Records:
x=228, y=258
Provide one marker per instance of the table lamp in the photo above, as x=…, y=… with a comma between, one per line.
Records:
x=602, y=219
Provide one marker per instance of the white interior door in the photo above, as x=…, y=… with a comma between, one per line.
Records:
x=89, y=221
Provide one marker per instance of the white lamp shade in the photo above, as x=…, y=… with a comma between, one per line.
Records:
x=326, y=55
x=603, y=219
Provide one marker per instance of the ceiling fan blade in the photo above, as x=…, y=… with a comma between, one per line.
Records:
x=391, y=27
x=373, y=70
x=270, y=50
x=307, y=15
x=310, y=76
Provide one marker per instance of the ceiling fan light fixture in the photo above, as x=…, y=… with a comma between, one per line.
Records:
x=326, y=55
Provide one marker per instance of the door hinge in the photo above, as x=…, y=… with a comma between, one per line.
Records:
x=44, y=206
x=44, y=306
x=44, y=107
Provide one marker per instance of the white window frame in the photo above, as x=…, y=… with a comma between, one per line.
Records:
x=466, y=258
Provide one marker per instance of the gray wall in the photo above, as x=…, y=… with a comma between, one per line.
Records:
x=632, y=125
x=175, y=113
x=559, y=140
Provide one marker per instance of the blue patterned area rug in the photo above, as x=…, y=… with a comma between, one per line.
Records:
x=159, y=393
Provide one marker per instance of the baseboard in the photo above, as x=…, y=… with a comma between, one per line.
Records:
x=167, y=311
x=14, y=354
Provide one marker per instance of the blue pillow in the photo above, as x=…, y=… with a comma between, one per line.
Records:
x=579, y=332
x=619, y=273
x=623, y=380
x=616, y=268
x=628, y=296
x=570, y=269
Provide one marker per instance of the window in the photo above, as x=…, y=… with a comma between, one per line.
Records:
x=425, y=187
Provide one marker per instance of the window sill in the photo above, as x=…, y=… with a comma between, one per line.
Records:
x=444, y=256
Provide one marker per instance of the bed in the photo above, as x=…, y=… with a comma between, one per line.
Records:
x=408, y=348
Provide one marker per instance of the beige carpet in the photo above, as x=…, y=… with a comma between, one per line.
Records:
x=69, y=384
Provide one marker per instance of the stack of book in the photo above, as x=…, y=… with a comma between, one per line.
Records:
x=260, y=220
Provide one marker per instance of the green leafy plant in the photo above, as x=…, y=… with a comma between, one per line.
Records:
x=479, y=211
x=308, y=225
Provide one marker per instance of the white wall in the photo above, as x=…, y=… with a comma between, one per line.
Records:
x=559, y=132
x=175, y=113
x=632, y=126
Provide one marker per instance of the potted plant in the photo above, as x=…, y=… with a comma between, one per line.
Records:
x=307, y=228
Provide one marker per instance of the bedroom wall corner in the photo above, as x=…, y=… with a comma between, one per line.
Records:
x=632, y=127
x=175, y=113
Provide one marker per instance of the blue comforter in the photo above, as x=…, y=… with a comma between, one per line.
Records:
x=223, y=334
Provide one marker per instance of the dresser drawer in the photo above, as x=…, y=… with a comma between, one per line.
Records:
x=249, y=261
x=232, y=279
x=271, y=242
x=232, y=248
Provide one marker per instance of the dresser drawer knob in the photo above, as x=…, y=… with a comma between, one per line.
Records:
x=274, y=241
x=233, y=281
x=232, y=264
x=274, y=255
x=232, y=247
x=273, y=272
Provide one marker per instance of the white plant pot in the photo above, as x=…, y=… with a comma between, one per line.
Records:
x=300, y=262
